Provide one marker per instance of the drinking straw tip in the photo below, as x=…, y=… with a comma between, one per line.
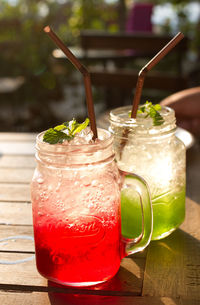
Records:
x=47, y=29
x=181, y=34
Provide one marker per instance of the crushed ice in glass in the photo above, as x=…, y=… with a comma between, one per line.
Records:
x=83, y=137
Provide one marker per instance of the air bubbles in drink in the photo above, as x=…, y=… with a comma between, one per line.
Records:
x=40, y=180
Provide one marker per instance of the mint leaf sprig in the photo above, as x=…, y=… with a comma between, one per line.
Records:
x=65, y=131
x=151, y=111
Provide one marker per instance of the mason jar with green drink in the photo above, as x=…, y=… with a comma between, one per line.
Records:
x=149, y=147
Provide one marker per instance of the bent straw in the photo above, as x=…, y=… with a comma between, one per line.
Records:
x=86, y=77
x=143, y=72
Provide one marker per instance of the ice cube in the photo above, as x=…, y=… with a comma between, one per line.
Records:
x=83, y=137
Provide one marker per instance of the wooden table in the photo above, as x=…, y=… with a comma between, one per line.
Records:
x=166, y=273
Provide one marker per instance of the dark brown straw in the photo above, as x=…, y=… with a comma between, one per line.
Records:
x=141, y=75
x=86, y=76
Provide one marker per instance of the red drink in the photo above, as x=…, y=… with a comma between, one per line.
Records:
x=77, y=224
x=81, y=253
x=75, y=196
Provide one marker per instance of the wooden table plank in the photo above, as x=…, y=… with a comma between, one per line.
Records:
x=31, y=298
x=24, y=273
x=53, y=298
x=15, y=238
x=15, y=213
x=17, y=148
x=64, y=299
x=125, y=282
x=17, y=161
x=18, y=136
x=17, y=143
x=15, y=192
x=191, y=225
x=173, y=264
x=16, y=175
x=56, y=298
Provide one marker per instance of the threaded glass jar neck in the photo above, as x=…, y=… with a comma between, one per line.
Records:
x=142, y=126
x=64, y=155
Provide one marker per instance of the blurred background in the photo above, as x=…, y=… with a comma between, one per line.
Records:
x=40, y=88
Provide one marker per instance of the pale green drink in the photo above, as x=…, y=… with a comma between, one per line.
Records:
x=168, y=214
x=155, y=153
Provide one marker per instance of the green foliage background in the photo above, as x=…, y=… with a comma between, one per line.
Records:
x=26, y=50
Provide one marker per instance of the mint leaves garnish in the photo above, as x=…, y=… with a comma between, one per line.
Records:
x=152, y=111
x=65, y=131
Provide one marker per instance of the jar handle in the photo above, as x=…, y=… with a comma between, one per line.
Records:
x=135, y=192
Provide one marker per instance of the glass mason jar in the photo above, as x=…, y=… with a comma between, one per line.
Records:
x=75, y=195
x=155, y=153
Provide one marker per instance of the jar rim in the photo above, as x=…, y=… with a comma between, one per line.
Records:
x=142, y=126
x=105, y=137
x=116, y=116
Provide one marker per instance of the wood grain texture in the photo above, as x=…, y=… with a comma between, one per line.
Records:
x=53, y=298
x=15, y=213
x=64, y=299
x=31, y=298
x=17, y=243
x=15, y=192
x=17, y=161
x=191, y=225
x=127, y=281
x=17, y=136
x=16, y=175
x=173, y=264
x=21, y=273
x=17, y=148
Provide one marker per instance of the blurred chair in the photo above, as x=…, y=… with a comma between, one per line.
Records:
x=186, y=104
x=123, y=76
